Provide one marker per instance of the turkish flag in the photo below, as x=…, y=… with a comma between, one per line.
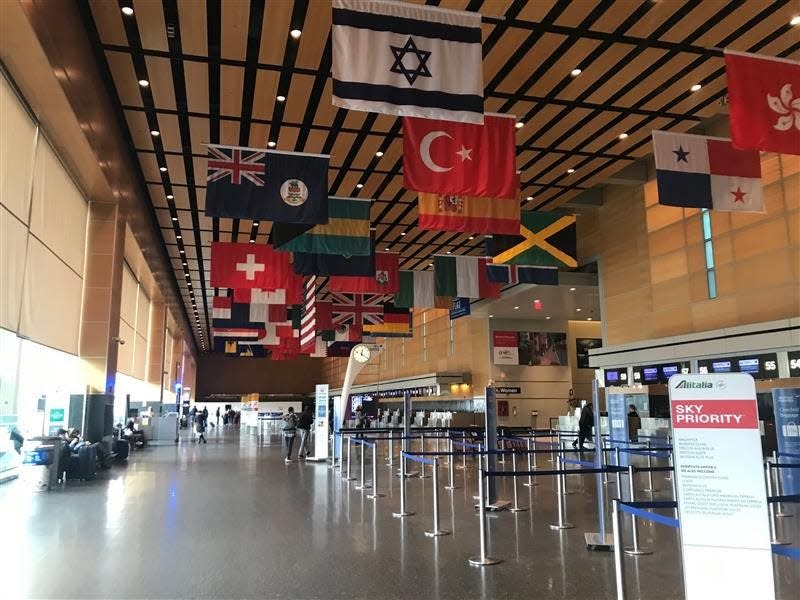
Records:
x=244, y=266
x=445, y=157
x=386, y=279
x=764, y=102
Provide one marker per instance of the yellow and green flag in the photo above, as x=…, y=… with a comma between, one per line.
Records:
x=346, y=232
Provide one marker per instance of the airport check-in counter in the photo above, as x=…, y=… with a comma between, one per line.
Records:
x=41, y=462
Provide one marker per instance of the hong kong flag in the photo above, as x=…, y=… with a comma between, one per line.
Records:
x=764, y=102
x=245, y=266
x=445, y=157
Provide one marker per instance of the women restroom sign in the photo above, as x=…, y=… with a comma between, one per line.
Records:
x=722, y=502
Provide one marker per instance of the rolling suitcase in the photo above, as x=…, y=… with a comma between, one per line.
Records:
x=122, y=449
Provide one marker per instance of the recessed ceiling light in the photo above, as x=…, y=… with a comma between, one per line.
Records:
x=588, y=318
x=571, y=289
x=516, y=308
x=519, y=125
x=359, y=185
x=387, y=249
x=144, y=82
x=570, y=170
x=449, y=252
x=622, y=136
x=170, y=197
x=163, y=169
x=547, y=317
x=402, y=233
x=271, y=144
x=183, y=252
x=577, y=310
x=281, y=98
x=186, y=275
x=695, y=88
x=295, y=33
x=472, y=237
x=174, y=219
x=127, y=11
x=180, y=237
x=430, y=264
x=795, y=20
x=575, y=72
x=184, y=264
x=252, y=241
x=536, y=300
x=379, y=154
x=155, y=133
x=530, y=198
x=256, y=223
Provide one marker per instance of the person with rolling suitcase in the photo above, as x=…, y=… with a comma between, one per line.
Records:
x=200, y=425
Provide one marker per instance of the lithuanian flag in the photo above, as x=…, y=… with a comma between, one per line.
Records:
x=345, y=233
x=468, y=214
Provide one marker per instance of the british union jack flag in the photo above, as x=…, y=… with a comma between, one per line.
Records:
x=237, y=164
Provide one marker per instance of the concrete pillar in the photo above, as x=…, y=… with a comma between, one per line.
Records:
x=156, y=369
x=102, y=291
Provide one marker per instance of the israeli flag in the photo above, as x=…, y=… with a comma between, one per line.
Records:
x=406, y=59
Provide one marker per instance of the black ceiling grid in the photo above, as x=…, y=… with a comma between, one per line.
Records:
x=108, y=81
x=214, y=37
x=172, y=17
x=315, y=99
x=652, y=94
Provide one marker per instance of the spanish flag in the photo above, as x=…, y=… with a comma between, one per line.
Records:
x=468, y=214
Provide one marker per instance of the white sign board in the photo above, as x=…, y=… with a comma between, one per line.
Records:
x=722, y=502
x=321, y=423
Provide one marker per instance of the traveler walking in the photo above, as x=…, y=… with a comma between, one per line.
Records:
x=585, y=424
x=304, y=427
x=289, y=430
x=218, y=412
x=634, y=423
x=200, y=420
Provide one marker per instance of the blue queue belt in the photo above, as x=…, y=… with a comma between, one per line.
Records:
x=416, y=458
x=656, y=452
x=364, y=442
x=606, y=469
x=639, y=509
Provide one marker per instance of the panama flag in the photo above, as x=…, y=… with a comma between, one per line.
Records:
x=764, y=102
x=693, y=171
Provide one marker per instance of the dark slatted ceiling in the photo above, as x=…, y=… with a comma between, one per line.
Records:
x=216, y=68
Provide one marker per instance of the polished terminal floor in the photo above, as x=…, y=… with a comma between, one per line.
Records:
x=230, y=520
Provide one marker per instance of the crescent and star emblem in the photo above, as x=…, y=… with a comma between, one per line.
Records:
x=425, y=151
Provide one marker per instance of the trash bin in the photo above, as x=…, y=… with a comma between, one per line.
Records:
x=41, y=458
x=534, y=418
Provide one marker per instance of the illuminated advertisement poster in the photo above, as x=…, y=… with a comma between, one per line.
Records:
x=530, y=348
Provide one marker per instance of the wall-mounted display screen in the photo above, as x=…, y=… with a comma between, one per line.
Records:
x=658, y=373
x=650, y=374
x=794, y=363
x=615, y=376
x=760, y=366
x=669, y=370
x=530, y=348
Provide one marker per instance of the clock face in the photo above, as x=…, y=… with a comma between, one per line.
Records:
x=361, y=353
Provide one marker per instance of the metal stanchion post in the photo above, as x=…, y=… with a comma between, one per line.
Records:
x=516, y=508
x=560, y=501
x=531, y=464
x=390, y=458
x=464, y=448
x=669, y=445
x=436, y=531
x=422, y=473
x=501, y=445
x=618, y=478
x=375, y=494
x=650, y=486
x=635, y=550
x=672, y=482
x=403, y=512
x=773, y=530
x=362, y=485
x=479, y=465
x=483, y=559
x=603, y=458
x=347, y=476
x=619, y=557
x=780, y=509
x=451, y=466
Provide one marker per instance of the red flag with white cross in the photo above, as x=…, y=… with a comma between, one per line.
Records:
x=245, y=266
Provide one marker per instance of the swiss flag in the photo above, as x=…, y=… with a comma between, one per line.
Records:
x=385, y=281
x=445, y=157
x=245, y=266
x=764, y=102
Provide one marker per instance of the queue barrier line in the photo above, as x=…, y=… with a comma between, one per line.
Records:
x=785, y=465
x=788, y=551
x=792, y=454
x=583, y=463
x=657, y=452
x=606, y=469
x=793, y=498
x=364, y=442
x=419, y=459
x=639, y=509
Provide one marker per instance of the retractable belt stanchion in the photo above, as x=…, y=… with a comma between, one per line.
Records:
x=479, y=465
x=484, y=560
x=672, y=484
x=780, y=510
x=516, y=508
x=531, y=464
x=668, y=476
x=390, y=458
x=464, y=447
x=560, y=500
x=375, y=494
x=436, y=531
x=402, y=512
x=650, y=486
x=451, y=468
x=362, y=485
x=422, y=473
x=634, y=550
x=347, y=475
x=773, y=531
x=619, y=557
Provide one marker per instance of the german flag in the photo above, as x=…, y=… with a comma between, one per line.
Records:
x=396, y=323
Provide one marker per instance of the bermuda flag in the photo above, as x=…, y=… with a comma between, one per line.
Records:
x=461, y=158
x=308, y=321
x=400, y=58
x=764, y=102
x=384, y=281
x=221, y=307
x=693, y=171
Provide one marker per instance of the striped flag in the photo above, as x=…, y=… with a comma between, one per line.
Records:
x=522, y=274
x=308, y=321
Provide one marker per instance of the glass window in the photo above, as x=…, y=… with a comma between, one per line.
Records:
x=712, y=284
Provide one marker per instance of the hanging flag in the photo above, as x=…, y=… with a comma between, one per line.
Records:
x=308, y=322
x=248, y=183
x=384, y=281
x=399, y=58
x=221, y=307
x=231, y=347
x=469, y=214
x=463, y=276
x=416, y=290
x=324, y=315
x=240, y=333
x=521, y=274
x=242, y=266
x=764, y=102
x=702, y=172
x=396, y=323
x=345, y=233
x=545, y=239
x=357, y=309
x=461, y=158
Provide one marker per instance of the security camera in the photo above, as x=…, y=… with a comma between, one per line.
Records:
x=120, y=341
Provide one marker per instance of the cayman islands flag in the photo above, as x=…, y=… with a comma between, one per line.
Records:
x=694, y=171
